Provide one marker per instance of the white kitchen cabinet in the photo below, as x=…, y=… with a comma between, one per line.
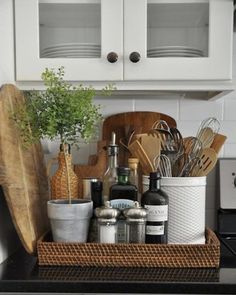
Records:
x=178, y=40
x=152, y=40
x=44, y=27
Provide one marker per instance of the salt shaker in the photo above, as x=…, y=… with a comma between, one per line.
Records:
x=135, y=224
x=107, y=223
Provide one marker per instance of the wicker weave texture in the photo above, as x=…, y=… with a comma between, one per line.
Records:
x=59, y=185
x=131, y=255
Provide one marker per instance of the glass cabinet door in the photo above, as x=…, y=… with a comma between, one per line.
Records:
x=84, y=36
x=178, y=39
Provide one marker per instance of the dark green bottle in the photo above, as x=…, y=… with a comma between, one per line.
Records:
x=156, y=202
x=123, y=194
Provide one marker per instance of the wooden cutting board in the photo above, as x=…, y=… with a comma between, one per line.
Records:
x=22, y=175
x=124, y=123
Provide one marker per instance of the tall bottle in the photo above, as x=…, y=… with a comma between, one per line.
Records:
x=123, y=194
x=134, y=177
x=156, y=202
x=110, y=176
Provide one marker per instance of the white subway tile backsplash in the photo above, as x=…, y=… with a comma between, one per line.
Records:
x=195, y=110
x=230, y=150
x=229, y=129
x=230, y=107
x=112, y=104
x=168, y=106
x=188, y=128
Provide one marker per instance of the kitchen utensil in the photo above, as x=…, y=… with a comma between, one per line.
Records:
x=178, y=141
x=179, y=164
x=206, y=136
x=137, y=151
x=203, y=131
x=166, y=140
x=218, y=142
x=161, y=124
x=192, y=146
x=208, y=159
x=193, y=164
x=152, y=146
x=143, y=120
x=22, y=174
x=163, y=164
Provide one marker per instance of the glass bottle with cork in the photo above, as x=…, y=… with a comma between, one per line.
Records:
x=156, y=203
x=110, y=176
x=134, y=177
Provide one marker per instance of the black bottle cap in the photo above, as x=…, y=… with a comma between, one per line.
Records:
x=155, y=175
x=124, y=171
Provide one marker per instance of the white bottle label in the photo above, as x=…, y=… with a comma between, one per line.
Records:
x=157, y=213
x=155, y=230
x=122, y=204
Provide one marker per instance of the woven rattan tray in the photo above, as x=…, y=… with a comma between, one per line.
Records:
x=131, y=255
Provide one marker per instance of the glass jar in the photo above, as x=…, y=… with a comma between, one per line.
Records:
x=135, y=223
x=107, y=223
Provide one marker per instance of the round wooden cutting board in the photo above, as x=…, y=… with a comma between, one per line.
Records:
x=22, y=175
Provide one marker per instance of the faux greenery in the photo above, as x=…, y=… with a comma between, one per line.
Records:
x=61, y=111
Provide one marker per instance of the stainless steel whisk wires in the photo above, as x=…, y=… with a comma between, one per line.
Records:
x=163, y=165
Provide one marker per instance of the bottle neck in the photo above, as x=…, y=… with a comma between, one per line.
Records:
x=123, y=179
x=154, y=184
x=112, y=161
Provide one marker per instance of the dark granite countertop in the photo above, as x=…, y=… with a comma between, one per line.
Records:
x=21, y=273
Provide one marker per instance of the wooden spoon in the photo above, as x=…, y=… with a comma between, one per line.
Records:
x=137, y=151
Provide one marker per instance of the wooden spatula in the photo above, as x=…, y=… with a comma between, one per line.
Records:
x=152, y=146
x=208, y=159
x=137, y=151
x=218, y=142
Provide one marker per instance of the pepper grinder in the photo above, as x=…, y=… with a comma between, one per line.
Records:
x=135, y=224
x=107, y=223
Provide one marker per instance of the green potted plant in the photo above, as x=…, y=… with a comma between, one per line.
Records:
x=64, y=112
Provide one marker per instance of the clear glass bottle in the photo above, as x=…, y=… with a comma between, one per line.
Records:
x=110, y=176
x=156, y=203
x=107, y=223
x=134, y=177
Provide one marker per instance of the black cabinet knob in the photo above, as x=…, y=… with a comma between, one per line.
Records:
x=134, y=57
x=112, y=57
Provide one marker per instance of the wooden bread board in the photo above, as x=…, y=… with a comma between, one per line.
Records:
x=124, y=123
x=22, y=175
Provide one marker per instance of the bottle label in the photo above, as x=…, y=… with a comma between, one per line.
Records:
x=156, y=230
x=157, y=213
x=122, y=204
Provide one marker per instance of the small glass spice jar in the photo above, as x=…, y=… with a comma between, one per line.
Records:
x=107, y=223
x=135, y=222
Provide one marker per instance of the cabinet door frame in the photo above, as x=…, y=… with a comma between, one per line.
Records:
x=218, y=64
x=29, y=65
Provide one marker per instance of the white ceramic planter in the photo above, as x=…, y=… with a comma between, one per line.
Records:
x=70, y=222
x=187, y=198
